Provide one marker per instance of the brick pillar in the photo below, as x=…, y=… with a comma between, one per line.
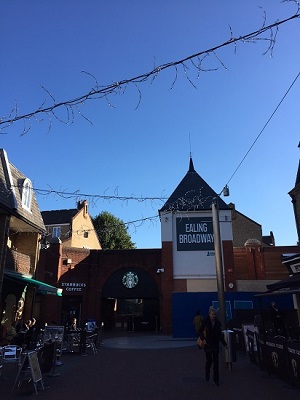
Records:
x=229, y=272
x=259, y=263
x=49, y=271
x=255, y=261
x=250, y=263
x=166, y=288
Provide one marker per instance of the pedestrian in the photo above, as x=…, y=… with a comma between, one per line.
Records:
x=211, y=332
x=197, y=322
x=277, y=320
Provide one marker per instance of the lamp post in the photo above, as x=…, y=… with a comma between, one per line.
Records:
x=219, y=262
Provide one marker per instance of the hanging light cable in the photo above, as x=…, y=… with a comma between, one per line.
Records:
x=260, y=133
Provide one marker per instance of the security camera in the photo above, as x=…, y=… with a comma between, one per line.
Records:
x=160, y=270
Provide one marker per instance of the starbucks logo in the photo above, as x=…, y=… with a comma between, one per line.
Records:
x=130, y=280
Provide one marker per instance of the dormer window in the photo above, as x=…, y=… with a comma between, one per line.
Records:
x=26, y=194
x=56, y=232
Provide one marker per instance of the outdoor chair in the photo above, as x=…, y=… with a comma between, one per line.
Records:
x=90, y=343
x=11, y=355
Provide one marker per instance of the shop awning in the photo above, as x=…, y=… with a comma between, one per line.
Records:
x=291, y=285
x=292, y=282
x=41, y=287
x=278, y=292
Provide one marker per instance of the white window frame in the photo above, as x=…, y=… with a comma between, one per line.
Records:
x=27, y=194
x=56, y=232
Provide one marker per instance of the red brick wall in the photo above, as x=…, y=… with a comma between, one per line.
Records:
x=229, y=270
x=96, y=267
x=180, y=285
x=18, y=262
x=261, y=262
x=273, y=261
x=167, y=287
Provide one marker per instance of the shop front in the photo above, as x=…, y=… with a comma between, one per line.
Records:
x=21, y=300
x=130, y=301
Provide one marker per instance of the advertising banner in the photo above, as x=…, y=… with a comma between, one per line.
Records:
x=293, y=350
x=274, y=356
x=279, y=356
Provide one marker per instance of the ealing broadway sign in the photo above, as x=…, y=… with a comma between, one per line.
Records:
x=194, y=234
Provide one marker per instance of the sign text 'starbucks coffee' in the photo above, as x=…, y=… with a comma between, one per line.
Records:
x=194, y=234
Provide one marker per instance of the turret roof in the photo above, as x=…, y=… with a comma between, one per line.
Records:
x=192, y=194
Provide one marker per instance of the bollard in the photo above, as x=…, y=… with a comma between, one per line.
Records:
x=230, y=352
x=82, y=344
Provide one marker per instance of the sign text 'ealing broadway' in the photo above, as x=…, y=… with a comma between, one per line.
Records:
x=194, y=234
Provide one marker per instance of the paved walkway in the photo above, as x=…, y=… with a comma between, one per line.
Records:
x=142, y=341
x=152, y=367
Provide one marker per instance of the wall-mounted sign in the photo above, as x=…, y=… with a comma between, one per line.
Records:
x=295, y=268
x=215, y=305
x=194, y=234
x=130, y=280
x=73, y=286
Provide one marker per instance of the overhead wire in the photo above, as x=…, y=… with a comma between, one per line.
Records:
x=262, y=130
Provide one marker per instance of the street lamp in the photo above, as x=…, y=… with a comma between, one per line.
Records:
x=218, y=255
x=219, y=262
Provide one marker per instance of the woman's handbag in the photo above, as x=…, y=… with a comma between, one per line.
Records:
x=200, y=342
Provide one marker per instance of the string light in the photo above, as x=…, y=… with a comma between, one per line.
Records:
x=102, y=92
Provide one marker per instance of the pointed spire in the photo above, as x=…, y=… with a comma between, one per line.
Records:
x=192, y=194
x=298, y=172
x=191, y=167
x=298, y=175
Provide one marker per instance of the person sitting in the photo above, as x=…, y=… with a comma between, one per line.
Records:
x=29, y=329
x=277, y=320
x=11, y=334
x=73, y=325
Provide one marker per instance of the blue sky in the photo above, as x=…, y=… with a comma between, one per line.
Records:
x=144, y=151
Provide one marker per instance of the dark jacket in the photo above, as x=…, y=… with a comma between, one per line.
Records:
x=212, y=334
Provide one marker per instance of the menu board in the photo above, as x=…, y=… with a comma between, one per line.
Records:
x=31, y=360
x=34, y=367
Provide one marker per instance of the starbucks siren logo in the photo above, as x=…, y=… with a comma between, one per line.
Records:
x=130, y=280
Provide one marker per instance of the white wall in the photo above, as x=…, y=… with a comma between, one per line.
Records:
x=194, y=264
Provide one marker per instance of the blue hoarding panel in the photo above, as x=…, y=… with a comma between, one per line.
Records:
x=185, y=306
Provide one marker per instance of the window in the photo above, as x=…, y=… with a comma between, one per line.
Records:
x=86, y=234
x=85, y=211
x=56, y=232
x=243, y=305
x=26, y=194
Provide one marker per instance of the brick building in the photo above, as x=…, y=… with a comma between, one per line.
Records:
x=21, y=233
x=160, y=289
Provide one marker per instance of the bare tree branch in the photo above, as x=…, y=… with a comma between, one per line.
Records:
x=99, y=92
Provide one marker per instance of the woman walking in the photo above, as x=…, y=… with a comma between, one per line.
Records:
x=197, y=321
x=211, y=332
